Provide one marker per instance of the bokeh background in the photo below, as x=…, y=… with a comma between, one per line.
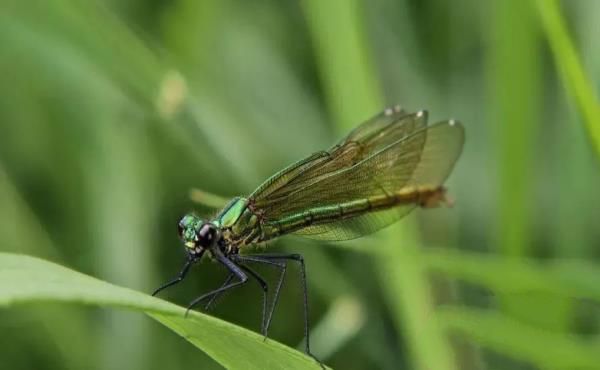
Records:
x=112, y=111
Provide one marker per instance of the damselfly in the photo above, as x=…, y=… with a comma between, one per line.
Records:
x=377, y=174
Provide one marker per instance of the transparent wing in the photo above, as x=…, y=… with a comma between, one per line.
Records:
x=441, y=148
x=379, y=158
x=389, y=126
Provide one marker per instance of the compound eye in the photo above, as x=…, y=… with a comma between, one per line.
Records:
x=180, y=230
x=207, y=235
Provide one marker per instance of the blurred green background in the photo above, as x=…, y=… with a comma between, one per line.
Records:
x=111, y=111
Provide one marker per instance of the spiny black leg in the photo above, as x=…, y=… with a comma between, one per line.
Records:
x=178, y=279
x=265, y=289
x=261, y=282
x=283, y=267
x=235, y=269
x=297, y=258
x=216, y=296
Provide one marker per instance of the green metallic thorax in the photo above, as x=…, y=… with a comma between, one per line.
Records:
x=232, y=212
x=239, y=225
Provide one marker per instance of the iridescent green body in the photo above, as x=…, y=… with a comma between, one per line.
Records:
x=382, y=170
x=241, y=226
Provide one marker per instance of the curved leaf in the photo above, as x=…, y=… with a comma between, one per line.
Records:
x=25, y=279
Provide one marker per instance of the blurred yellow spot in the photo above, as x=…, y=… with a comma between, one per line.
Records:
x=348, y=315
x=172, y=94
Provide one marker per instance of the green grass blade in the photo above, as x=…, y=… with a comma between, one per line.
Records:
x=207, y=199
x=353, y=93
x=521, y=341
x=25, y=279
x=409, y=294
x=345, y=64
x=564, y=278
x=516, y=87
x=515, y=91
x=570, y=67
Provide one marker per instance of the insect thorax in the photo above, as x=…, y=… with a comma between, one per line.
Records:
x=239, y=224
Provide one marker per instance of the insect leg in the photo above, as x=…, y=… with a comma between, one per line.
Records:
x=235, y=269
x=265, y=289
x=282, y=267
x=261, y=282
x=216, y=296
x=178, y=279
x=297, y=258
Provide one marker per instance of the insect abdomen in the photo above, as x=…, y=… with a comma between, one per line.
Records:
x=426, y=197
